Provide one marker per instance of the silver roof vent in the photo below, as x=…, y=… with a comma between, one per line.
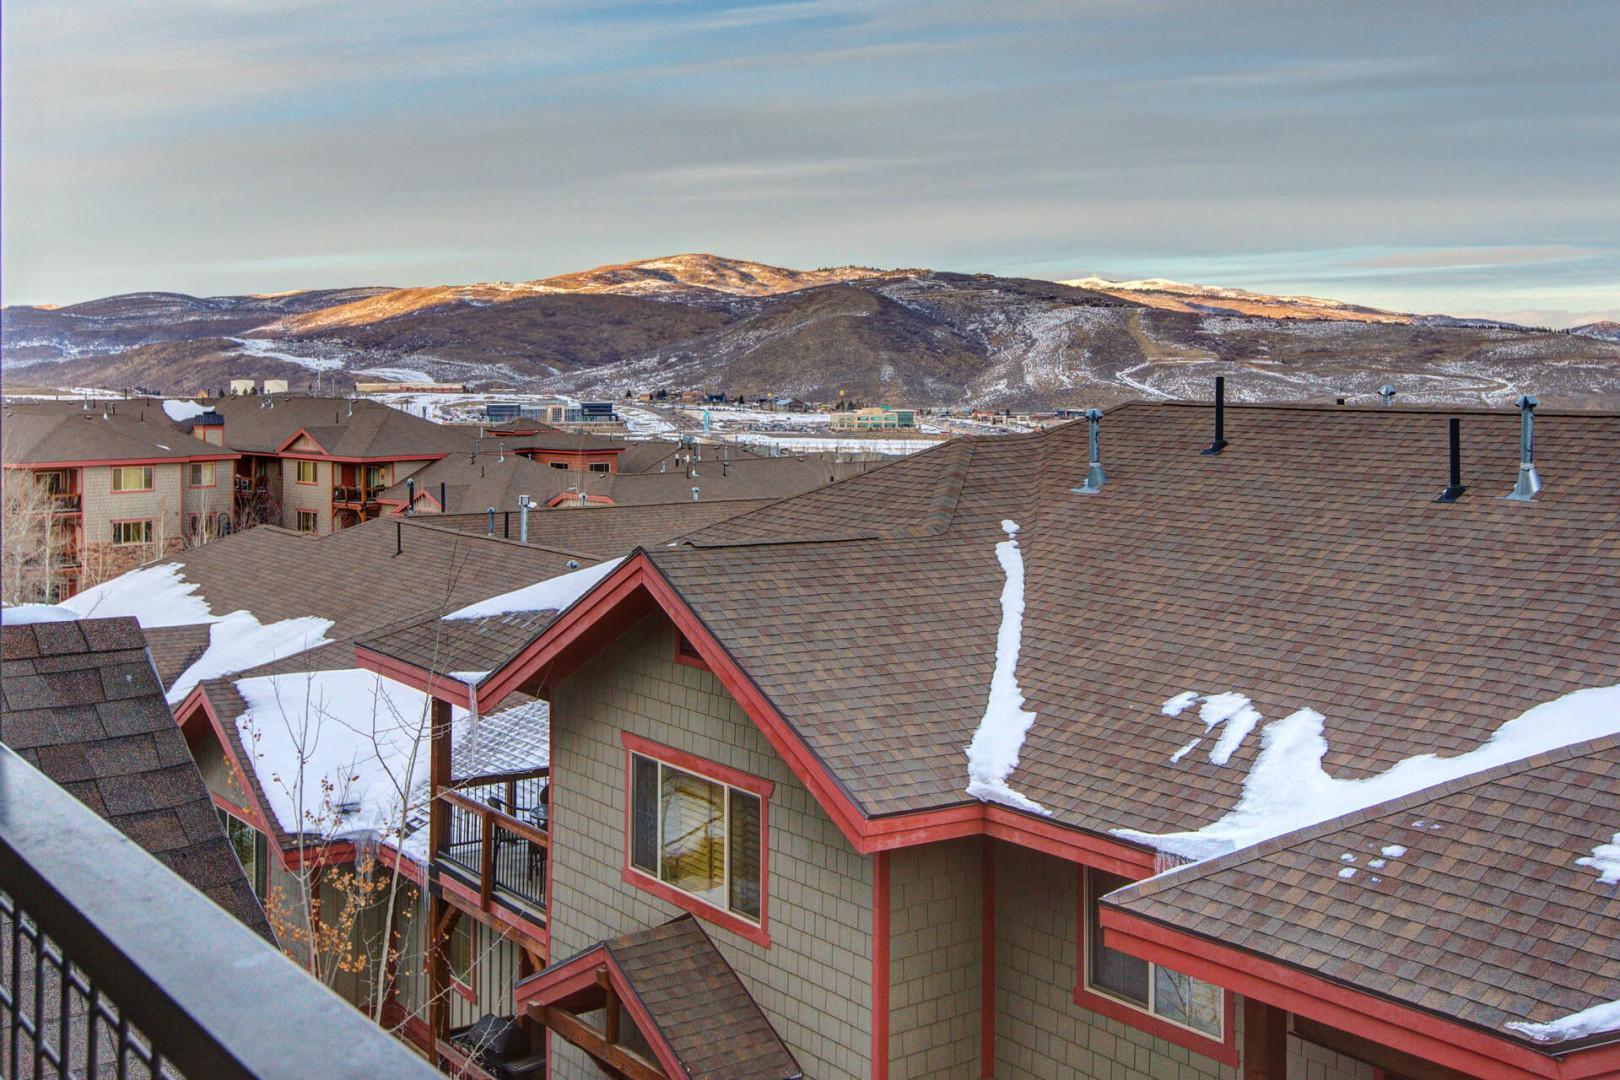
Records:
x=1387, y=392
x=1095, y=477
x=1529, y=481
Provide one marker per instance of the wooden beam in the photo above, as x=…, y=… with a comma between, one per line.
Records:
x=439, y=914
x=439, y=747
x=1361, y=1048
x=588, y=1039
x=1265, y=1041
x=486, y=860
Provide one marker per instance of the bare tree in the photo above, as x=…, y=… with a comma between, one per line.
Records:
x=28, y=537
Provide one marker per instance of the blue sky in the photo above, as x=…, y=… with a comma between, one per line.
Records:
x=1458, y=157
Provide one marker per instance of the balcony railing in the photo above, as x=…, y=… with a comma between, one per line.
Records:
x=347, y=495
x=114, y=966
x=496, y=836
x=67, y=502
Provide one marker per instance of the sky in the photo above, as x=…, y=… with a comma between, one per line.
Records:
x=1423, y=156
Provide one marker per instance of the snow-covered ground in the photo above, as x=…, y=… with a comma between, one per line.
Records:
x=70, y=393
x=850, y=444
x=270, y=349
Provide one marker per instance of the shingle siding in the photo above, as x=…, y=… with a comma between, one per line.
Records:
x=814, y=981
x=1041, y=1032
x=935, y=917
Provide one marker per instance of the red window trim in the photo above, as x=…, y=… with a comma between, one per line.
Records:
x=147, y=490
x=758, y=933
x=308, y=483
x=298, y=513
x=151, y=531
x=1223, y=1050
x=198, y=487
x=686, y=653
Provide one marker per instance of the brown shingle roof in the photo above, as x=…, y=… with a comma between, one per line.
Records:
x=373, y=430
x=1485, y=915
x=82, y=703
x=1308, y=565
x=51, y=432
x=699, y=1007
x=609, y=530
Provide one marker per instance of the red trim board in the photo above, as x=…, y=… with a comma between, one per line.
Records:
x=1434, y=1038
x=579, y=974
x=880, y=966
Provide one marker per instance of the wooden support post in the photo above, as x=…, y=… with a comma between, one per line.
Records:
x=438, y=968
x=615, y=1057
x=486, y=861
x=438, y=775
x=1265, y=1041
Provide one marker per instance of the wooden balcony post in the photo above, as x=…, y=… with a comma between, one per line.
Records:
x=438, y=775
x=438, y=970
x=486, y=864
x=1265, y=1041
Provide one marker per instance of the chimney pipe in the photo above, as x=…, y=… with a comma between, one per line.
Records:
x=442, y=507
x=1387, y=392
x=1454, y=486
x=399, y=538
x=696, y=491
x=491, y=522
x=1220, y=419
x=410, y=495
x=1095, y=477
x=1529, y=480
x=523, y=519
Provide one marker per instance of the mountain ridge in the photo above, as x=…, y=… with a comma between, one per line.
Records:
x=915, y=336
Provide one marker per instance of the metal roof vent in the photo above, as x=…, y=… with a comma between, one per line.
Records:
x=1387, y=392
x=1220, y=419
x=1529, y=480
x=1095, y=477
x=1454, y=484
x=696, y=492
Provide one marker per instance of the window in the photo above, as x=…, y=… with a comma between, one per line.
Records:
x=202, y=474
x=1181, y=1000
x=460, y=954
x=686, y=653
x=131, y=532
x=132, y=478
x=193, y=525
x=306, y=472
x=52, y=483
x=559, y=464
x=375, y=477
x=251, y=850
x=697, y=835
x=599, y=466
x=309, y=521
x=224, y=525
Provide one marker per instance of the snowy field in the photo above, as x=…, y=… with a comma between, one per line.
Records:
x=852, y=444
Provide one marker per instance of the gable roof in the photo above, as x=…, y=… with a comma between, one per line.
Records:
x=1465, y=900
x=686, y=999
x=372, y=431
x=82, y=704
x=51, y=433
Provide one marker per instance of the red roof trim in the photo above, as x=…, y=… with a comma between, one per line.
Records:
x=579, y=973
x=295, y=436
x=384, y=459
x=86, y=463
x=186, y=714
x=638, y=577
x=1434, y=1038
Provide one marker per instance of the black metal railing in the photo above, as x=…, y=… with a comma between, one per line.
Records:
x=496, y=834
x=69, y=502
x=113, y=966
x=346, y=495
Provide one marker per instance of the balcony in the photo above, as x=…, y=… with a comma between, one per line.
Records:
x=114, y=966
x=67, y=502
x=495, y=839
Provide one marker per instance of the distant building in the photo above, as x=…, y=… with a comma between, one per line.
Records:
x=242, y=386
x=275, y=386
x=877, y=418
x=402, y=388
x=548, y=410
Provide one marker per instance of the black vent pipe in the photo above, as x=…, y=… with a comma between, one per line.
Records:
x=1454, y=487
x=1220, y=419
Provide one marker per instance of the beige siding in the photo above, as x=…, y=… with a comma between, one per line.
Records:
x=814, y=981
x=495, y=970
x=216, y=770
x=935, y=915
x=316, y=497
x=161, y=505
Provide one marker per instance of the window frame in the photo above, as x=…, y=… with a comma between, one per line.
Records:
x=314, y=470
x=755, y=930
x=314, y=521
x=118, y=472
x=1106, y=1003
x=212, y=466
x=259, y=874
x=117, y=532
x=686, y=653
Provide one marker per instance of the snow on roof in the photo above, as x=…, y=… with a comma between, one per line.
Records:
x=155, y=595
x=1605, y=859
x=360, y=743
x=552, y=594
x=336, y=751
x=1287, y=788
x=26, y=614
x=181, y=411
x=1593, y=1021
x=240, y=641
x=993, y=753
